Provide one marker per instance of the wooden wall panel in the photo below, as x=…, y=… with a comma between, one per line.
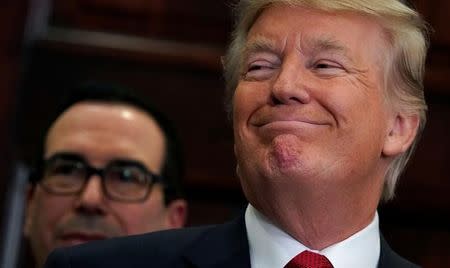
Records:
x=438, y=64
x=12, y=17
x=436, y=13
x=194, y=21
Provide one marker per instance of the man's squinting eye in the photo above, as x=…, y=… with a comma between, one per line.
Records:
x=254, y=67
x=259, y=65
x=328, y=67
x=259, y=69
x=327, y=64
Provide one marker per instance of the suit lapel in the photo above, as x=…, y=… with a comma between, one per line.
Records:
x=388, y=258
x=223, y=246
x=385, y=253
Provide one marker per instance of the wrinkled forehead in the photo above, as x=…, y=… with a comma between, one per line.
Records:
x=251, y=10
x=313, y=31
x=323, y=27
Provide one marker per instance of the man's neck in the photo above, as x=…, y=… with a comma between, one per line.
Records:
x=317, y=224
x=270, y=246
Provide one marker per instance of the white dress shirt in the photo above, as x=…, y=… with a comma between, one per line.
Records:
x=271, y=247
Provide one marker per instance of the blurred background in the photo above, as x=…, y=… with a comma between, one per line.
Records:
x=169, y=51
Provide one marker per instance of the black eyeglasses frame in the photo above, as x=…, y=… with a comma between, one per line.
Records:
x=38, y=176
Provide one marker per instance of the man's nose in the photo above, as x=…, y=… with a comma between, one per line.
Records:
x=92, y=198
x=290, y=86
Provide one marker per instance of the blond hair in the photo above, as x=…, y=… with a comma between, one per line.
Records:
x=406, y=33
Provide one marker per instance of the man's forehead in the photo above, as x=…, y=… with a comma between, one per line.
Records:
x=323, y=32
x=322, y=17
x=126, y=109
x=88, y=125
x=96, y=113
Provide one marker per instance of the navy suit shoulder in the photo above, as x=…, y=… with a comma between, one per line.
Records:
x=390, y=259
x=222, y=245
x=132, y=251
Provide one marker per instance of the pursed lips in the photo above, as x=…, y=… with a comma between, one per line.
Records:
x=282, y=120
x=74, y=238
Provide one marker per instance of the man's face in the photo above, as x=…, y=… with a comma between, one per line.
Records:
x=100, y=133
x=309, y=109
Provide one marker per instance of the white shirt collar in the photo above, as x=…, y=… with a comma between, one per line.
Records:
x=271, y=247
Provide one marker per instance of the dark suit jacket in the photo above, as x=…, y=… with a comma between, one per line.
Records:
x=218, y=246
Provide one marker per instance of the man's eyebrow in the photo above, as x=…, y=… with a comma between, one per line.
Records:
x=327, y=44
x=127, y=161
x=260, y=44
x=65, y=155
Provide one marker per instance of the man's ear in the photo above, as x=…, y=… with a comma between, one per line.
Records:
x=29, y=210
x=177, y=213
x=401, y=134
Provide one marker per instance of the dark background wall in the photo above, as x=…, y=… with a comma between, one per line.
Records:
x=11, y=29
x=169, y=51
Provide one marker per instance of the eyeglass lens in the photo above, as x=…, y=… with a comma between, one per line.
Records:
x=120, y=181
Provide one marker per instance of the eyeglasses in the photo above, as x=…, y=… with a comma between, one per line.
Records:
x=122, y=180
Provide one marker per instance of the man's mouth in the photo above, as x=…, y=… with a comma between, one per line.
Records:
x=288, y=123
x=286, y=119
x=71, y=239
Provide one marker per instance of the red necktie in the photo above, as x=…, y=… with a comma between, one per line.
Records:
x=308, y=259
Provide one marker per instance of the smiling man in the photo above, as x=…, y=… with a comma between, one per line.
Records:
x=327, y=104
x=109, y=167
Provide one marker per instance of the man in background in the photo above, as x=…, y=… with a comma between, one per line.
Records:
x=110, y=166
x=327, y=102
